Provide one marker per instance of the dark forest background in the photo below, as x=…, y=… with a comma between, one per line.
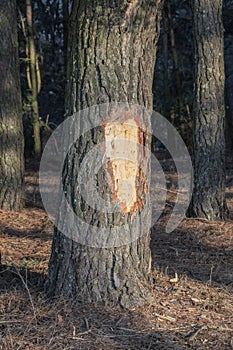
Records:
x=173, y=77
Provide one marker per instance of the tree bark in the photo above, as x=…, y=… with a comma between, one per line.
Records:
x=11, y=129
x=65, y=12
x=33, y=80
x=209, y=114
x=110, y=59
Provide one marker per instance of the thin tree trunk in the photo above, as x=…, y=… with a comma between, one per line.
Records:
x=33, y=80
x=166, y=106
x=111, y=59
x=167, y=100
x=65, y=12
x=11, y=129
x=176, y=70
x=209, y=114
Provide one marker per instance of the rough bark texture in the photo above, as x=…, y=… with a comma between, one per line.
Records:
x=111, y=55
x=209, y=113
x=11, y=129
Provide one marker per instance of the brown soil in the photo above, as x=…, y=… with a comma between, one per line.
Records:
x=193, y=288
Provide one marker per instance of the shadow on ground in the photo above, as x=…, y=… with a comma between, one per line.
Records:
x=29, y=319
x=200, y=250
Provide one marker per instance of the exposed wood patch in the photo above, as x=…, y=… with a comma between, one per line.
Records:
x=123, y=143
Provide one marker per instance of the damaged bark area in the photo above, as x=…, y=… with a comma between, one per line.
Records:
x=125, y=176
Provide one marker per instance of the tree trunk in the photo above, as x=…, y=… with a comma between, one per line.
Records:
x=209, y=114
x=181, y=125
x=11, y=129
x=34, y=82
x=65, y=13
x=111, y=59
x=228, y=57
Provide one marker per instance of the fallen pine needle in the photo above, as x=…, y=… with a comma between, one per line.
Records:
x=168, y=318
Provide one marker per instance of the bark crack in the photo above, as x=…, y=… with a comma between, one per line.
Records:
x=113, y=271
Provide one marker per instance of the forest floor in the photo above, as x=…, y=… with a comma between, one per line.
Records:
x=193, y=287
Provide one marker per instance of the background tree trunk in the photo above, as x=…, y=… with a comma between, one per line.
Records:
x=209, y=114
x=11, y=129
x=228, y=58
x=65, y=12
x=34, y=81
x=110, y=59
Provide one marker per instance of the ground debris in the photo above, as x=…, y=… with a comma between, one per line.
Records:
x=193, y=289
